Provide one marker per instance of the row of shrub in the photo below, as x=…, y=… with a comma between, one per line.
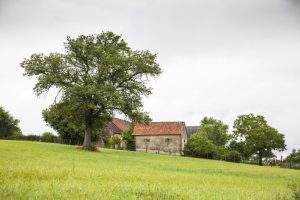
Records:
x=45, y=137
x=112, y=142
x=292, y=160
x=202, y=147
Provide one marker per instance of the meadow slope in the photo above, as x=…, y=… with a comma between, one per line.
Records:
x=34, y=170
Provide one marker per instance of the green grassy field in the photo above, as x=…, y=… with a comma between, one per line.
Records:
x=34, y=170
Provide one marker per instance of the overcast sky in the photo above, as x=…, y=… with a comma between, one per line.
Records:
x=220, y=58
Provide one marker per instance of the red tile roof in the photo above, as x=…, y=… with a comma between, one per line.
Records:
x=120, y=123
x=159, y=128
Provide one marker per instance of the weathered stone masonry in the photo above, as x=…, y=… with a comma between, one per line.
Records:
x=161, y=137
x=167, y=144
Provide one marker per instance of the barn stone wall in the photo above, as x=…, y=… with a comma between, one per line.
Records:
x=164, y=144
x=183, y=140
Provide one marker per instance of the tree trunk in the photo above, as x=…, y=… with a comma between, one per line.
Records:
x=88, y=131
x=260, y=158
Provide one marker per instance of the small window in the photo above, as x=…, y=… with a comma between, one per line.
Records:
x=168, y=140
x=147, y=140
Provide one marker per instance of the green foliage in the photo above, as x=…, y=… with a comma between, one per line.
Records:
x=96, y=76
x=259, y=137
x=215, y=130
x=240, y=147
x=233, y=156
x=209, y=141
x=129, y=139
x=294, y=156
x=8, y=124
x=115, y=141
x=46, y=137
x=294, y=159
x=60, y=118
x=31, y=137
x=19, y=136
x=265, y=139
x=219, y=152
x=245, y=123
x=199, y=146
x=49, y=137
x=35, y=170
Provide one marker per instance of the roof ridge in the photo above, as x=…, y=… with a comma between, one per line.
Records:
x=160, y=128
x=121, y=124
x=120, y=119
x=169, y=122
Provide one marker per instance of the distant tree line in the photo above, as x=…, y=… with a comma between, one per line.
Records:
x=210, y=142
x=292, y=160
x=252, y=139
x=60, y=119
x=10, y=130
x=45, y=137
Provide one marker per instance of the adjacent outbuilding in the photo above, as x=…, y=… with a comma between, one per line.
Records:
x=160, y=137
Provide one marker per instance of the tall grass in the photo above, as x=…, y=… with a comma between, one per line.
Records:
x=34, y=170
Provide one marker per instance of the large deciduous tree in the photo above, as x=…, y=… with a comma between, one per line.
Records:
x=96, y=76
x=8, y=124
x=259, y=137
x=209, y=140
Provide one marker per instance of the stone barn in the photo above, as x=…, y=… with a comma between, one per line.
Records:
x=115, y=127
x=160, y=137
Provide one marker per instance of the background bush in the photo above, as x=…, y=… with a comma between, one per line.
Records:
x=199, y=146
x=233, y=156
x=48, y=137
x=129, y=139
x=115, y=141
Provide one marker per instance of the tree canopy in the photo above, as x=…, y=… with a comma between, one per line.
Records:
x=59, y=117
x=215, y=130
x=96, y=76
x=8, y=124
x=259, y=137
x=240, y=147
x=199, y=146
x=294, y=159
x=209, y=141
